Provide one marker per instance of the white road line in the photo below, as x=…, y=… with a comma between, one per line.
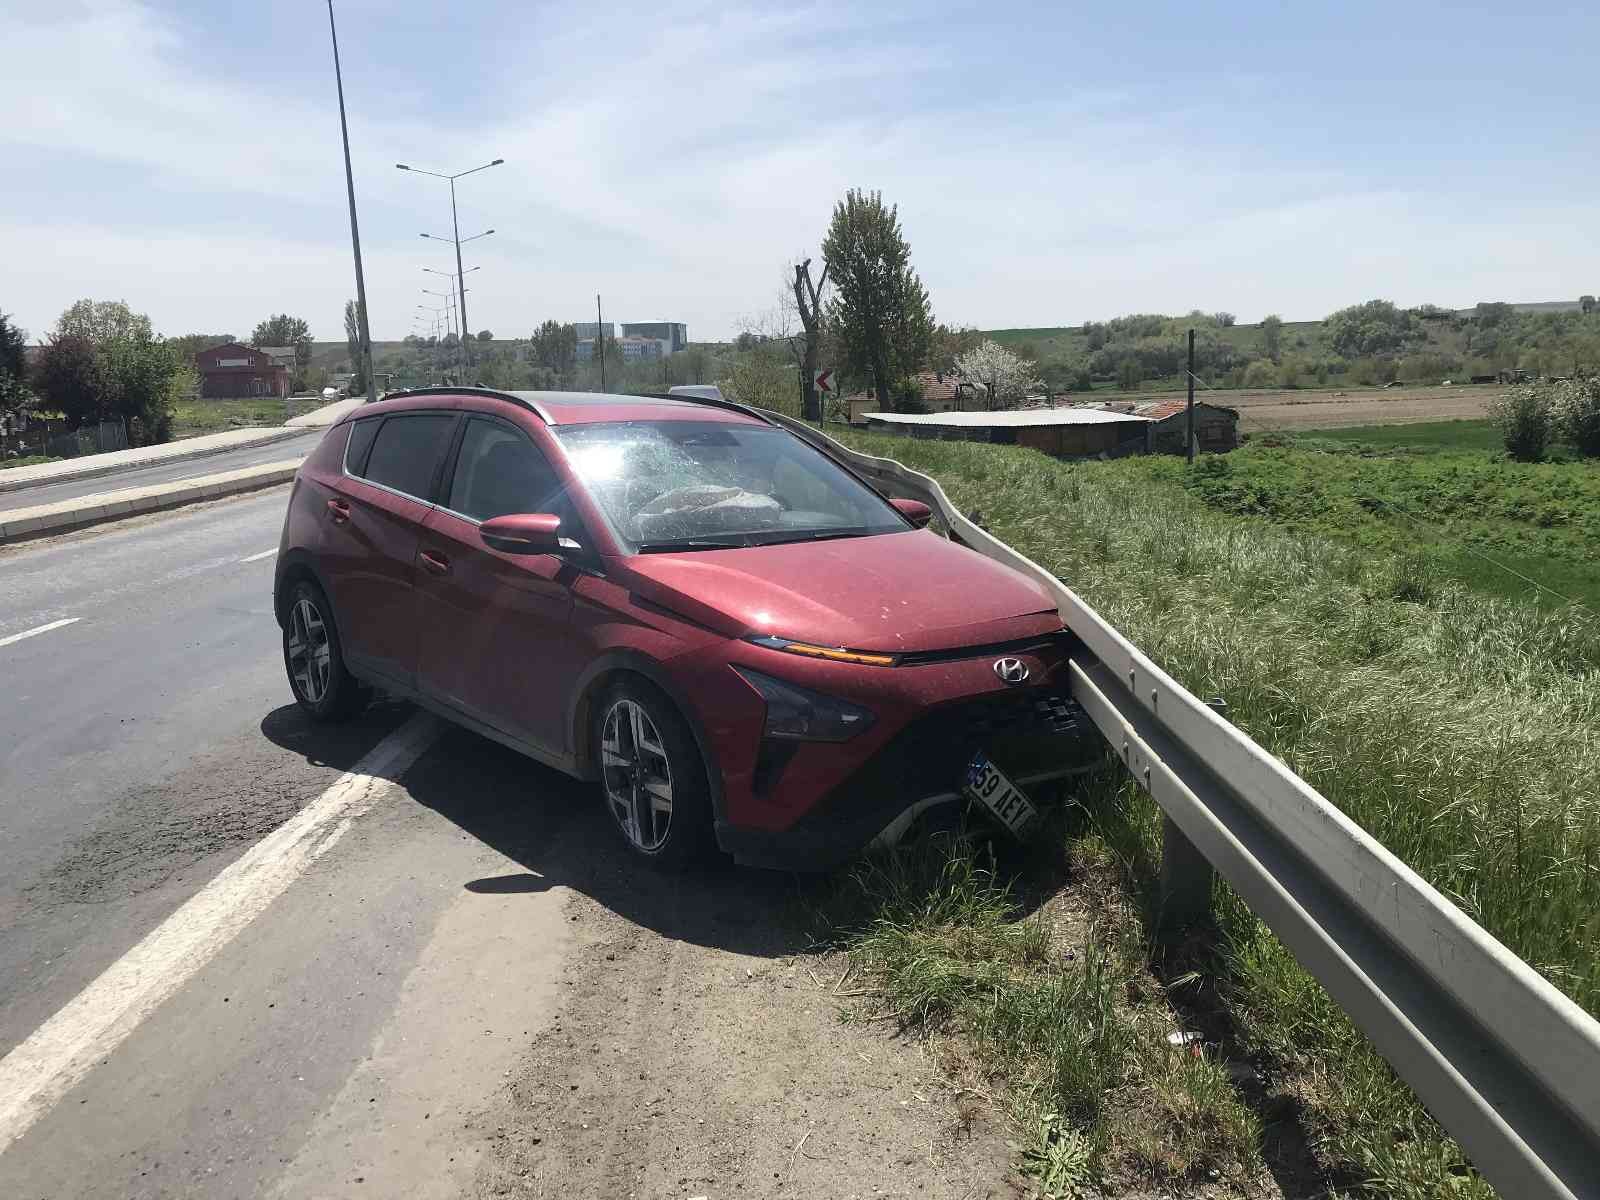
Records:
x=259, y=557
x=62, y=1051
x=28, y=633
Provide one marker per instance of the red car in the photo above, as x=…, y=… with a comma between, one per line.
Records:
x=730, y=631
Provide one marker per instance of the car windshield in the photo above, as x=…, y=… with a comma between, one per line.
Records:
x=697, y=485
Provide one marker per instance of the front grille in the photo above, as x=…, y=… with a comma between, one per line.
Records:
x=1039, y=644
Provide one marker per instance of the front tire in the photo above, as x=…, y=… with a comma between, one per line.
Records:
x=314, y=659
x=652, y=777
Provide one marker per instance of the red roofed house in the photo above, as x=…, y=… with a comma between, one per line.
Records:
x=1216, y=429
x=233, y=371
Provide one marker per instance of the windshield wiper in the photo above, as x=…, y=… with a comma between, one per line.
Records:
x=687, y=544
x=816, y=535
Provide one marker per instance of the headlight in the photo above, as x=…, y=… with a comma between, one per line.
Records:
x=800, y=714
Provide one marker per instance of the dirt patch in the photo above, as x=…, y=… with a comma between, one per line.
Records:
x=680, y=1068
x=1260, y=412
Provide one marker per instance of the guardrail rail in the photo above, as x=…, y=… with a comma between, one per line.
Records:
x=1506, y=1062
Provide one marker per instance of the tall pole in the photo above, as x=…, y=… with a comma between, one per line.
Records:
x=1189, y=444
x=355, y=229
x=461, y=281
x=600, y=340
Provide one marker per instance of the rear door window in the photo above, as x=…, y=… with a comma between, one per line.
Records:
x=407, y=451
x=355, y=453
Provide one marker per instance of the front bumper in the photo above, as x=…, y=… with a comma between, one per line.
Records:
x=1034, y=735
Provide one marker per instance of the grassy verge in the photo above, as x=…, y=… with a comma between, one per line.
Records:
x=194, y=417
x=1488, y=523
x=31, y=460
x=1461, y=730
x=1427, y=435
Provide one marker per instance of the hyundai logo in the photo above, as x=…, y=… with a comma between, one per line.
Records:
x=1011, y=670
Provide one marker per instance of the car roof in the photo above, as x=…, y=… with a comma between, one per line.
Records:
x=575, y=408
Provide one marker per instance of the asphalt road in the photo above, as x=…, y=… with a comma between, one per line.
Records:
x=144, y=747
x=50, y=493
x=241, y=955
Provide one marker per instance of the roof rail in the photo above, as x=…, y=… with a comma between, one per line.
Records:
x=456, y=389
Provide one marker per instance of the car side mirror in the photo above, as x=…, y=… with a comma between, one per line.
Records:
x=523, y=533
x=915, y=511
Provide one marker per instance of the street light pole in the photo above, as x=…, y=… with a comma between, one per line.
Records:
x=355, y=229
x=455, y=229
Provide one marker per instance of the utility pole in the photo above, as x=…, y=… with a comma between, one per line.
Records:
x=355, y=229
x=600, y=341
x=1189, y=444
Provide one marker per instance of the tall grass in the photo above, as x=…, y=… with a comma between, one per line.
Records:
x=1460, y=730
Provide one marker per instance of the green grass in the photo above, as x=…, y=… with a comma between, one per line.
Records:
x=1462, y=730
x=30, y=460
x=1473, y=516
x=1059, y=1003
x=1426, y=435
x=191, y=418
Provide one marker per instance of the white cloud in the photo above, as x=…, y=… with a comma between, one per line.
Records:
x=671, y=156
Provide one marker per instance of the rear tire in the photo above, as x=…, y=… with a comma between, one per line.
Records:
x=652, y=777
x=314, y=658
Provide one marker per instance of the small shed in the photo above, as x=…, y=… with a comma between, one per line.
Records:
x=1216, y=429
x=1063, y=432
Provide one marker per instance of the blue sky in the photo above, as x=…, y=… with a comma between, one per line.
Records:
x=1052, y=163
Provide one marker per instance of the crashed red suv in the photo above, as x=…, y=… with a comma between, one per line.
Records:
x=738, y=638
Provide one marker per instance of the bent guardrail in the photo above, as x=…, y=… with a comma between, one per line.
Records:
x=1508, y=1064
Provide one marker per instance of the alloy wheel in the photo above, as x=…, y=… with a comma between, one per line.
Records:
x=636, y=774
x=310, y=654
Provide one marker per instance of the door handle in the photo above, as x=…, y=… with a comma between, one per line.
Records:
x=437, y=563
x=339, y=511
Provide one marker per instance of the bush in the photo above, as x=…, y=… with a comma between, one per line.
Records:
x=1524, y=417
x=1260, y=374
x=1575, y=411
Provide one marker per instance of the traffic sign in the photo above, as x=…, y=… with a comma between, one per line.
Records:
x=824, y=381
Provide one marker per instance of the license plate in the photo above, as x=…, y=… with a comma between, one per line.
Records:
x=989, y=786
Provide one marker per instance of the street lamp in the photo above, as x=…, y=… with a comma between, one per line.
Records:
x=455, y=227
x=355, y=230
x=449, y=311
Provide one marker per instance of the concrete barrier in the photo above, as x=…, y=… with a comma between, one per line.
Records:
x=43, y=520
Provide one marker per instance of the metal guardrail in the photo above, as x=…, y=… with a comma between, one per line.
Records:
x=1503, y=1060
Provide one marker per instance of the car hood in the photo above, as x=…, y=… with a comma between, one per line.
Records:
x=894, y=593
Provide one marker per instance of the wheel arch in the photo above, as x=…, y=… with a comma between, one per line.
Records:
x=292, y=569
x=607, y=670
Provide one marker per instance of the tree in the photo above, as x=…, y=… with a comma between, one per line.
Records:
x=808, y=302
x=880, y=306
x=1260, y=374
x=188, y=345
x=1224, y=319
x=1129, y=376
x=1586, y=304
x=1272, y=335
x=69, y=378
x=13, y=362
x=1494, y=314
x=284, y=330
x=1523, y=415
x=1576, y=414
x=1376, y=327
x=352, y=339
x=1004, y=378
x=102, y=322
x=554, y=346
x=485, y=336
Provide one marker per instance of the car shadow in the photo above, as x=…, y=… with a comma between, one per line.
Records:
x=340, y=745
x=558, y=833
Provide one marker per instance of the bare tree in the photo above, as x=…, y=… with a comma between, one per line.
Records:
x=808, y=301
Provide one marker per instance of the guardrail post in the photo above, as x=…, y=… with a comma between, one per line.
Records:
x=1186, y=877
